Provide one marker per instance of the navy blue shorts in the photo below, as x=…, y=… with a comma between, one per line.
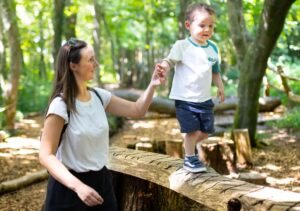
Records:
x=195, y=116
x=61, y=198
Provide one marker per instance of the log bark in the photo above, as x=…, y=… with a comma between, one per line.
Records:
x=167, y=106
x=138, y=194
x=253, y=178
x=24, y=181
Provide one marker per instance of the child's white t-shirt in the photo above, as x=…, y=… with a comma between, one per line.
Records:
x=85, y=143
x=194, y=65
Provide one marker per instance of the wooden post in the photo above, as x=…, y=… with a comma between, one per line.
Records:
x=218, y=153
x=159, y=147
x=174, y=148
x=144, y=146
x=243, y=147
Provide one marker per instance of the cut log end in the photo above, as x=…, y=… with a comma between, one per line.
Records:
x=234, y=205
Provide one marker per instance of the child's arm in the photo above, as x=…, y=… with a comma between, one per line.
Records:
x=216, y=78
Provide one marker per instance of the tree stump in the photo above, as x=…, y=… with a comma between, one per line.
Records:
x=243, y=147
x=174, y=148
x=218, y=153
x=144, y=146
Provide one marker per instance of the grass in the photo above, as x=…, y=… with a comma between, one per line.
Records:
x=291, y=120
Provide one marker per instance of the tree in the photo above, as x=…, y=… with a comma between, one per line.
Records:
x=58, y=23
x=97, y=36
x=253, y=55
x=70, y=19
x=11, y=95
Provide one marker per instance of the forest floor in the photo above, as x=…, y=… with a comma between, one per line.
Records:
x=278, y=159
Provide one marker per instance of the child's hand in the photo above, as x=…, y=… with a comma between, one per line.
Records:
x=221, y=95
x=161, y=72
x=158, y=77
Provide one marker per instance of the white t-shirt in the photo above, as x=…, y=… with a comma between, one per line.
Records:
x=85, y=142
x=194, y=65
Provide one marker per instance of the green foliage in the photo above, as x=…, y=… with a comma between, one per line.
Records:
x=115, y=124
x=291, y=120
x=143, y=27
x=288, y=47
x=33, y=94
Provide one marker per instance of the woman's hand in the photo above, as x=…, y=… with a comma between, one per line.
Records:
x=159, y=75
x=88, y=195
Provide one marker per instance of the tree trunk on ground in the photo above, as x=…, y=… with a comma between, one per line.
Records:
x=9, y=9
x=24, y=181
x=255, y=55
x=162, y=183
x=167, y=106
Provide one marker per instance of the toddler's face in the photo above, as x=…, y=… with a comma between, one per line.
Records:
x=201, y=26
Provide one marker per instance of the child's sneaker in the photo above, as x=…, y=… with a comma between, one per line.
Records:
x=193, y=164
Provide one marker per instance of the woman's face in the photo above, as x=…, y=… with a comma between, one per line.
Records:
x=85, y=69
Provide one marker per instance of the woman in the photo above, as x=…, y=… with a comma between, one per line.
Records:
x=76, y=158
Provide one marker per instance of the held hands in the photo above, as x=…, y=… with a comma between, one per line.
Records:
x=159, y=75
x=88, y=195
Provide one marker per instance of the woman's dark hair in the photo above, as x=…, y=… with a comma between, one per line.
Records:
x=64, y=83
x=197, y=7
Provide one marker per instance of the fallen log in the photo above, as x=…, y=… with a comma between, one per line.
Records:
x=160, y=182
x=167, y=106
x=16, y=184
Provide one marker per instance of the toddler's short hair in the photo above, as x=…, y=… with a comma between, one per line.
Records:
x=198, y=7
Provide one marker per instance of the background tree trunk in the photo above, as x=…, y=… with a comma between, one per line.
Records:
x=9, y=9
x=182, y=32
x=70, y=19
x=3, y=44
x=113, y=43
x=97, y=37
x=254, y=63
x=58, y=22
x=42, y=65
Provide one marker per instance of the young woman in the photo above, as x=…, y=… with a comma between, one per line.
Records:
x=76, y=155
